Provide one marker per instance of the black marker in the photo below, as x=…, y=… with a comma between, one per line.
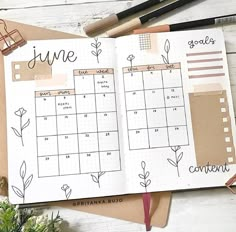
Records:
x=138, y=22
x=115, y=18
x=225, y=19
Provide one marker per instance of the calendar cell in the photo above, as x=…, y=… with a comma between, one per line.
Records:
x=178, y=135
x=138, y=139
x=89, y=162
x=47, y=145
x=107, y=121
x=137, y=119
x=69, y=164
x=174, y=97
x=46, y=126
x=152, y=80
x=156, y=117
x=66, y=124
x=135, y=100
x=110, y=161
x=84, y=84
x=105, y=102
x=176, y=116
x=87, y=123
x=68, y=144
x=48, y=166
x=45, y=106
x=172, y=78
x=88, y=142
x=158, y=137
x=65, y=105
x=154, y=98
x=104, y=83
x=85, y=103
x=108, y=141
x=133, y=81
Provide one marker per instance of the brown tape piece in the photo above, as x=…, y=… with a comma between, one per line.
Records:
x=3, y=186
x=212, y=128
x=21, y=71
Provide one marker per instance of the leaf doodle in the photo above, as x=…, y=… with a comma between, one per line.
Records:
x=167, y=50
x=16, y=132
x=167, y=46
x=26, y=183
x=26, y=124
x=97, y=51
x=17, y=192
x=96, y=179
x=172, y=162
x=178, y=158
x=23, y=170
x=144, y=176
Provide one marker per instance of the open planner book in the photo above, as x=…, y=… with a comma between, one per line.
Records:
x=99, y=116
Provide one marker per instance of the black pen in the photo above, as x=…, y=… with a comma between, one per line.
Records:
x=115, y=18
x=138, y=22
x=187, y=25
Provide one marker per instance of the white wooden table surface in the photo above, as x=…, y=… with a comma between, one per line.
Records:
x=192, y=211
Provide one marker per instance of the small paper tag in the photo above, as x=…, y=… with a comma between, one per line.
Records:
x=21, y=71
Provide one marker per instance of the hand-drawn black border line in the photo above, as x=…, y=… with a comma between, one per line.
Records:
x=96, y=179
x=130, y=58
x=20, y=113
x=26, y=183
x=66, y=188
x=146, y=182
x=178, y=158
x=97, y=51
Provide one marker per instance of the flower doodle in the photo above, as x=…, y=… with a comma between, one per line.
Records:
x=66, y=188
x=130, y=58
x=19, y=133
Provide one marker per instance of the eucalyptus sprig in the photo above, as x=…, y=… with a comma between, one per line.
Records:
x=13, y=219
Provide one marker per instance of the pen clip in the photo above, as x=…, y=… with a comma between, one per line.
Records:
x=11, y=40
x=230, y=182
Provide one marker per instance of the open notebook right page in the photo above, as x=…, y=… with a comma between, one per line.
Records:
x=178, y=119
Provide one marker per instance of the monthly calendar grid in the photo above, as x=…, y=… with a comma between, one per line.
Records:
x=58, y=156
x=150, y=123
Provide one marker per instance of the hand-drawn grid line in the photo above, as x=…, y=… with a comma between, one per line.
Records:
x=79, y=152
x=153, y=147
x=145, y=42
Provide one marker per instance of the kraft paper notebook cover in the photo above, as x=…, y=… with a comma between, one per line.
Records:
x=161, y=201
x=95, y=117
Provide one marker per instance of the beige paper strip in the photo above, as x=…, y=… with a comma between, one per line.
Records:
x=21, y=71
x=212, y=132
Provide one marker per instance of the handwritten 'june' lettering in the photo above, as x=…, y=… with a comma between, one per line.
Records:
x=62, y=54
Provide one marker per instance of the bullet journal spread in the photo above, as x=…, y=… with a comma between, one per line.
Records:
x=99, y=116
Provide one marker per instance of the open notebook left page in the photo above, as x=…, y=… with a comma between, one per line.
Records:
x=63, y=126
